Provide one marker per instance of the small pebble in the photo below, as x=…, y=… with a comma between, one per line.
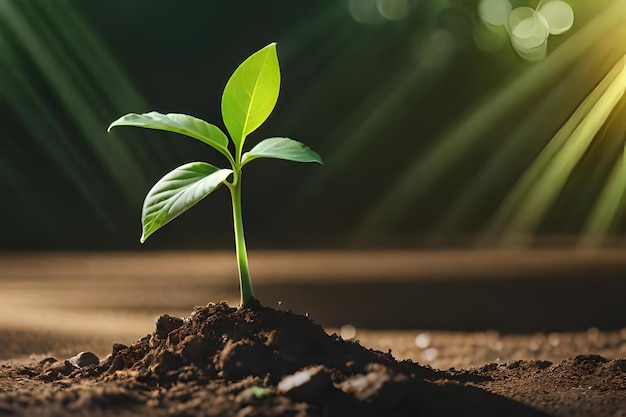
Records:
x=378, y=386
x=84, y=359
x=306, y=385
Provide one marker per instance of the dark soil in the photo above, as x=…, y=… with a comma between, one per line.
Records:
x=258, y=361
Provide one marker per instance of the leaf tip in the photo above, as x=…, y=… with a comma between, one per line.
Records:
x=317, y=158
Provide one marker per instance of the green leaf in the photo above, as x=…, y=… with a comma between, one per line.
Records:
x=178, y=123
x=177, y=192
x=251, y=94
x=281, y=148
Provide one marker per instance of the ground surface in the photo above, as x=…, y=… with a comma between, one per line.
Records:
x=528, y=333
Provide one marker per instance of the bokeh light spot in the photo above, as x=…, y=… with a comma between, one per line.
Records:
x=347, y=332
x=393, y=9
x=365, y=11
x=430, y=354
x=422, y=340
x=528, y=28
x=529, y=33
x=494, y=12
x=559, y=15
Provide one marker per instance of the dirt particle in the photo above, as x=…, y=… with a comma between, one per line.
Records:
x=243, y=358
x=166, y=324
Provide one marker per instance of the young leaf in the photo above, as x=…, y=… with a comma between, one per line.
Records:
x=178, y=123
x=281, y=148
x=251, y=94
x=177, y=192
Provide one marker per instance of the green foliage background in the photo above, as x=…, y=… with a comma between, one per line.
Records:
x=374, y=99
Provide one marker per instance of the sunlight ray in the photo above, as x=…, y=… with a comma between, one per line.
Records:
x=50, y=57
x=41, y=31
x=610, y=206
x=555, y=164
x=533, y=173
x=511, y=153
x=423, y=174
x=41, y=121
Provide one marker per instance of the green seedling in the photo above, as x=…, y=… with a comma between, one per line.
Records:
x=247, y=101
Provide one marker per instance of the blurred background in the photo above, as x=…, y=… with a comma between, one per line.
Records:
x=434, y=132
x=437, y=137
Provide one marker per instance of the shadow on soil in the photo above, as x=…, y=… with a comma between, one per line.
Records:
x=507, y=304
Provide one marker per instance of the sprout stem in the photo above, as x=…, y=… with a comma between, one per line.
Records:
x=245, y=284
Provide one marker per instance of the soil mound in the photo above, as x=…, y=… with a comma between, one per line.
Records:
x=258, y=361
x=232, y=344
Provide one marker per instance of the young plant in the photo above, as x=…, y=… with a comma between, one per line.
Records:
x=247, y=101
